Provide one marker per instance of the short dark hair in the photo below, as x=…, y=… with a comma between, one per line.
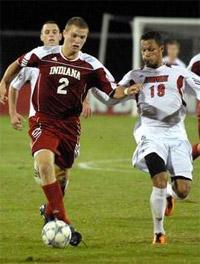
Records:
x=77, y=21
x=172, y=42
x=50, y=22
x=153, y=35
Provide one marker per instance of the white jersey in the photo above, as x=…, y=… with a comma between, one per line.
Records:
x=160, y=102
x=194, y=64
x=176, y=62
x=26, y=75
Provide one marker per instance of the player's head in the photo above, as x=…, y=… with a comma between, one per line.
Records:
x=75, y=34
x=172, y=48
x=152, y=47
x=50, y=33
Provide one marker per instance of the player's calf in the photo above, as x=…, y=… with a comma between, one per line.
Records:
x=195, y=151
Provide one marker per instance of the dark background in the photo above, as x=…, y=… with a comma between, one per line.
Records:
x=30, y=15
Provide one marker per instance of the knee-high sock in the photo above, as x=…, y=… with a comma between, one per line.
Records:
x=55, y=198
x=158, y=206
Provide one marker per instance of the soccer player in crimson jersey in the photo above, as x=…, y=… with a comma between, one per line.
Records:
x=162, y=140
x=66, y=74
x=50, y=36
x=194, y=66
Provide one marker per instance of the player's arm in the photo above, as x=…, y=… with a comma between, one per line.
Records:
x=15, y=118
x=13, y=93
x=194, y=65
x=106, y=83
x=9, y=74
x=193, y=81
x=107, y=100
x=127, y=86
x=121, y=91
x=30, y=59
x=86, y=111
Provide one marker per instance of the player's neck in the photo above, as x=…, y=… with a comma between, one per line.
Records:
x=155, y=66
x=69, y=55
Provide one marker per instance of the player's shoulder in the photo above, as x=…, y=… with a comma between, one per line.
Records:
x=178, y=69
x=43, y=51
x=137, y=72
x=91, y=60
x=195, y=59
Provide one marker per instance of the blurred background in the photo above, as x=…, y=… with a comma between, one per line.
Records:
x=115, y=29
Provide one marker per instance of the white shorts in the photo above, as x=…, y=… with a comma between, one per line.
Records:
x=177, y=155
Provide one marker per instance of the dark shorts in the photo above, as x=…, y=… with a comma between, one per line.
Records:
x=61, y=136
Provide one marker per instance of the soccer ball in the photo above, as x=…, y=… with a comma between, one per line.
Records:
x=56, y=234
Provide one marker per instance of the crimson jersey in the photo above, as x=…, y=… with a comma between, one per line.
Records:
x=63, y=84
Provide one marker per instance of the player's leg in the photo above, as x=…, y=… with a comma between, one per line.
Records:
x=45, y=162
x=157, y=170
x=180, y=168
x=62, y=175
x=196, y=147
x=181, y=187
x=195, y=151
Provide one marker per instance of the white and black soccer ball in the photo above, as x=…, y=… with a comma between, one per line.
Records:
x=56, y=234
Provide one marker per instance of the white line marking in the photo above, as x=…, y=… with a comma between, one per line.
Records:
x=115, y=165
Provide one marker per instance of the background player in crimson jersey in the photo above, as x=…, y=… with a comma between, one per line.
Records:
x=194, y=66
x=162, y=140
x=65, y=76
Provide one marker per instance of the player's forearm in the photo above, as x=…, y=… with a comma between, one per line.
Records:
x=121, y=92
x=12, y=101
x=10, y=72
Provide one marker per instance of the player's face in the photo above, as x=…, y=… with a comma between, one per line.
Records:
x=50, y=35
x=75, y=38
x=151, y=53
x=172, y=51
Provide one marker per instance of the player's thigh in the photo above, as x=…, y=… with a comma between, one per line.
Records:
x=146, y=147
x=180, y=159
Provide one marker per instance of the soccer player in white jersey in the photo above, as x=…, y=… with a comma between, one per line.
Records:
x=194, y=66
x=66, y=74
x=173, y=50
x=162, y=140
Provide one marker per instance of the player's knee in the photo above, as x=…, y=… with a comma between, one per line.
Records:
x=155, y=164
x=45, y=169
x=182, y=194
x=182, y=188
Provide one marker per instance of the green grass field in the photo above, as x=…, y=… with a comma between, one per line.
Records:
x=108, y=202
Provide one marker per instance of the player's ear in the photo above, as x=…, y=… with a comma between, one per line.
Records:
x=162, y=48
x=41, y=37
x=60, y=36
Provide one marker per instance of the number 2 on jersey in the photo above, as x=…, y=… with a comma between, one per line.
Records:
x=160, y=90
x=64, y=82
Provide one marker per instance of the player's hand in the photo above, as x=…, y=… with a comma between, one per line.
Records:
x=134, y=89
x=3, y=97
x=86, y=111
x=16, y=121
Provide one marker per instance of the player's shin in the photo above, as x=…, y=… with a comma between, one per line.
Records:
x=158, y=205
x=62, y=177
x=56, y=204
